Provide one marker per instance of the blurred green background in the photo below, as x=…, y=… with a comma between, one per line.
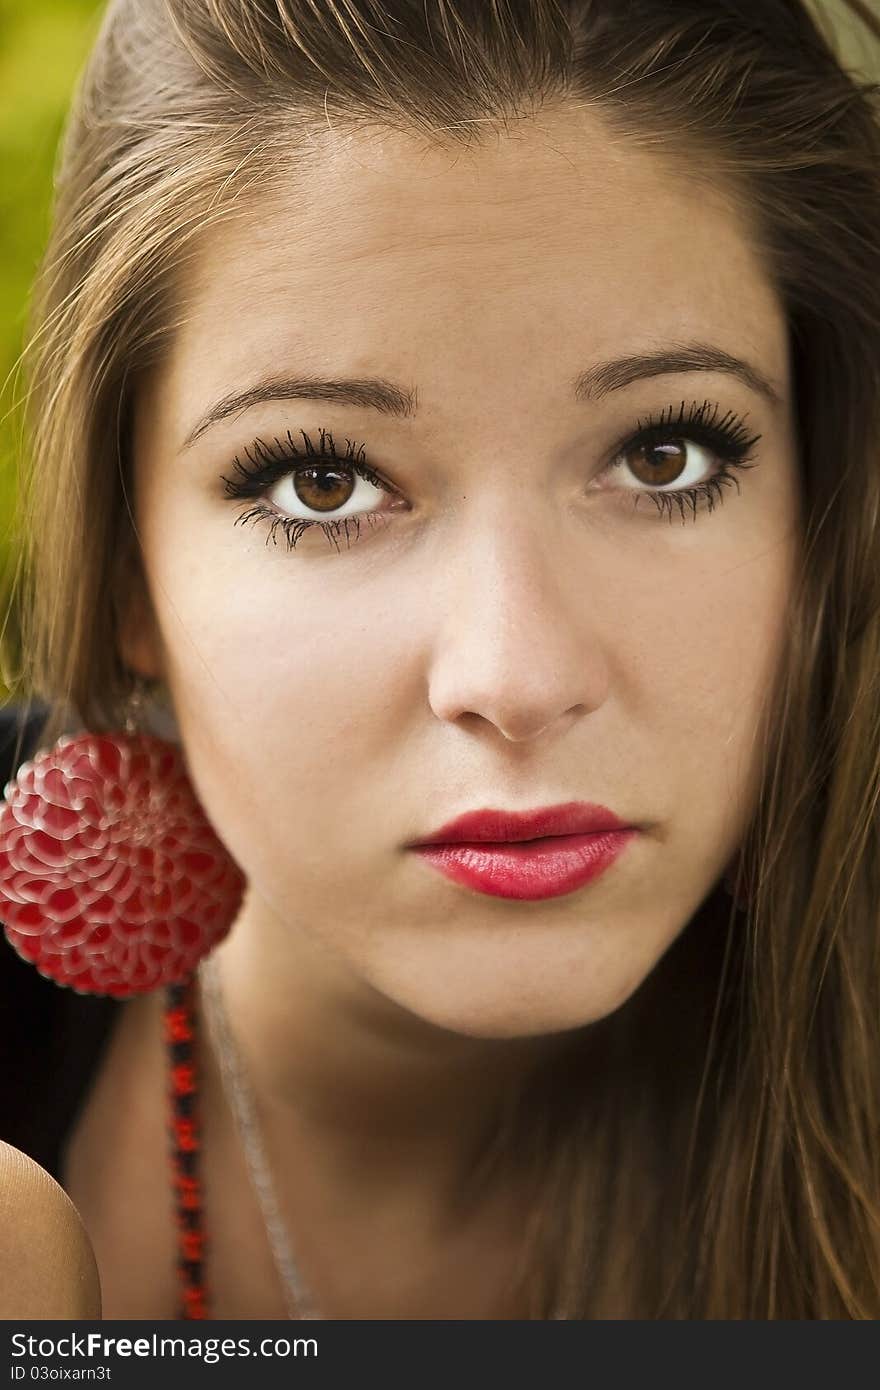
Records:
x=43, y=44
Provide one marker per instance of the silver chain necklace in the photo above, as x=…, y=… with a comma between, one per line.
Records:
x=240, y=1098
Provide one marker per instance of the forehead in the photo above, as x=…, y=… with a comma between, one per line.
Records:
x=386, y=246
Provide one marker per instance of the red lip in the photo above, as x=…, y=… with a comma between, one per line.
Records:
x=528, y=854
x=569, y=818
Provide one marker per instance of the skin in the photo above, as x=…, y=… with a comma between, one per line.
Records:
x=47, y=1265
x=513, y=635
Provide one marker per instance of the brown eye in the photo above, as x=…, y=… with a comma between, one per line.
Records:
x=337, y=491
x=293, y=494
x=657, y=464
x=323, y=489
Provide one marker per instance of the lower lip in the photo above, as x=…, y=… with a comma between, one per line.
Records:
x=529, y=869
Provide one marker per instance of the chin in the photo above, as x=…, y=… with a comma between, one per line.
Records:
x=480, y=1009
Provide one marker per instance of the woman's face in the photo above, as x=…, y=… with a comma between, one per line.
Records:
x=502, y=627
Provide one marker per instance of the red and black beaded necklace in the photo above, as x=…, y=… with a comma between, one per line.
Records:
x=180, y=1031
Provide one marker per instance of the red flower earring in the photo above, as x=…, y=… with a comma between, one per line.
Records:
x=112, y=879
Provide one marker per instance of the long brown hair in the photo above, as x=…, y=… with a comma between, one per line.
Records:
x=716, y=1151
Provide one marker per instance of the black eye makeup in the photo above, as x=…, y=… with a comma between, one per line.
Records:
x=323, y=486
x=291, y=488
x=662, y=448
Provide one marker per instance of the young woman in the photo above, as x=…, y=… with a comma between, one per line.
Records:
x=455, y=572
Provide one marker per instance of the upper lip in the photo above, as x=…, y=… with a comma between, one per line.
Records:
x=568, y=818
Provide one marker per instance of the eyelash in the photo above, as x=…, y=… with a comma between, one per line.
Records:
x=727, y=438
x=267, y=464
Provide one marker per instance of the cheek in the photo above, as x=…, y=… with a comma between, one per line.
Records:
x=283, y=694
x=708, y=661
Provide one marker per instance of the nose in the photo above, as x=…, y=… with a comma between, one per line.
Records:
x=517, y=645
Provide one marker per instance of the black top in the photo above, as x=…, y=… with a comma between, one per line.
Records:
x=51, y=1039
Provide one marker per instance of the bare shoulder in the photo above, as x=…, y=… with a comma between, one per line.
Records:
x=47, y=1265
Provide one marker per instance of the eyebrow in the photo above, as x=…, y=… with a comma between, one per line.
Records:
x=375, y=393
